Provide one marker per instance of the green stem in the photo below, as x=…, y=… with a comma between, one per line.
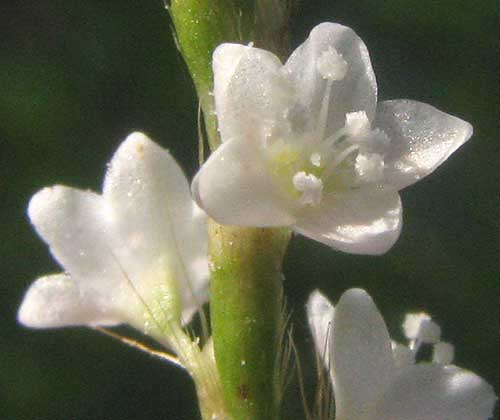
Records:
x=246, y=279
x=201, y=365
x=200, y=26
x=246, y=315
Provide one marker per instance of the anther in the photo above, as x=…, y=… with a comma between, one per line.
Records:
x=331, y=65
x=369, y=167
x=310, y=186
x=357, y=124
x=411, y=324
x=421, y=329
x=430, y=332
x=315, y=159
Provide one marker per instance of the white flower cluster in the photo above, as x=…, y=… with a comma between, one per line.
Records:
x=305, y=145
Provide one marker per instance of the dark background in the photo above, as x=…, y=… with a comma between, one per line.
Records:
x=76, y=76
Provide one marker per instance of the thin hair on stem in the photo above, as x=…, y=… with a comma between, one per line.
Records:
x=140, y=346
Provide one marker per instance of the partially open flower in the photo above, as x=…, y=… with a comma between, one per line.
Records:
x=136, y=254
x=306, y=145
x=376, y=379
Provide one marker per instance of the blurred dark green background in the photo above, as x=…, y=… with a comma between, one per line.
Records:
x=76, y=76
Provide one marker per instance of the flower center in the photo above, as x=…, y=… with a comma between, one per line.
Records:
x=313, y=163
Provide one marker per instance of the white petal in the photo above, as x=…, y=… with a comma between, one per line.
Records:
x=320, y=315
x=57, y=301
x=225, y=61
x=357, y=91
x=75, y=224
x=235, y=188
x=250, y=91
x=362, y=359
x=123, y=247
x=365, y=221
x=158, y=226
x=403, y=355
x=422, y=138
x=436, y=392
x=443, y=353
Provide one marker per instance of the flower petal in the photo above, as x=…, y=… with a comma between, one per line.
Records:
x=320, y=315
x=436, y=392
x=250, y=90
x=75, y=224
x=362, y=363
x=357, y=91
x=235, y=188
x=365, y=221
x=422, y=138
x=157, y=223
x=57, y=301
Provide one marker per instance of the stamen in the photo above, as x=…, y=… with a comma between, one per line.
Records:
x=420, y=329
x=315, y=159
x=423, y=334
x=357, y=124
x=331, y=65
x=411, y=324
x=369, y=167
x=379, y=139
x=338, y=160
x=310, y=186
x=444, y=353
x=430, y=332
x=323, y=114
x=334, y=138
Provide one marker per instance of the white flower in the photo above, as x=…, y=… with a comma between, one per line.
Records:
x=136, y=254
x=376, y=379
x=306, y=145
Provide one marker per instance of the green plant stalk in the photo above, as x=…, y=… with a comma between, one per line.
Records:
x=246, y=315
x=200, y=26
x=246, y=280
